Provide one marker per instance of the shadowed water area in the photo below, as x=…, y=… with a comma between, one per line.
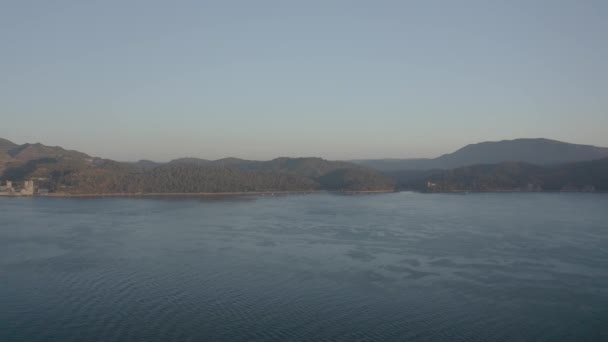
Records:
x=391, y=267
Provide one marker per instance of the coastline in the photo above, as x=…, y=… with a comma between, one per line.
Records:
x=268, y=193
x=210, y=194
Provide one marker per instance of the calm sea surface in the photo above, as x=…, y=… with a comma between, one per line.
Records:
x=393, y=267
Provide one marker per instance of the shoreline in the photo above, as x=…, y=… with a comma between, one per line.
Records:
x=271, y=193
x=210, y=194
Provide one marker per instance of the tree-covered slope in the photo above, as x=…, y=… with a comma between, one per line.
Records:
x=65, y=171
x=355, y=180
x=517, y=176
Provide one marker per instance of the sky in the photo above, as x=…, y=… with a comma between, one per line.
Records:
x=159, y=80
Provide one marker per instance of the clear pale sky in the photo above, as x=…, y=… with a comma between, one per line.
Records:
x=337, y=79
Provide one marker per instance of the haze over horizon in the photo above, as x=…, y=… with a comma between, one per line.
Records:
x=159, y=80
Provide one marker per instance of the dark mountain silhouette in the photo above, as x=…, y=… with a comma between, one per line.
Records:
x=534, y=151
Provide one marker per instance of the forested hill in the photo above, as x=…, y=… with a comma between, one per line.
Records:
x=588, y=176
x=73, y=172
x=307, y=167
x=13, y=154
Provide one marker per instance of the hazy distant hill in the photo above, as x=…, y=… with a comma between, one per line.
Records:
x=534, y=151
x=74, y=172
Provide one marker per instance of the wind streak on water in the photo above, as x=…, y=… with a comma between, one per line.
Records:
x=404, y=266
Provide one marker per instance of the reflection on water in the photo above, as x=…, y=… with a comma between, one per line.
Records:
x=403, y=266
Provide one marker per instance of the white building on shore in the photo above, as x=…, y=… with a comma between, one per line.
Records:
x=8, y=189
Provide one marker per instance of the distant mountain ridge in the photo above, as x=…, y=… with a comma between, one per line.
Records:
x=511, y=165
x=538, y=151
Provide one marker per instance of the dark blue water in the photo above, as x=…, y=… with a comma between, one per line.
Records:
x=394, y=267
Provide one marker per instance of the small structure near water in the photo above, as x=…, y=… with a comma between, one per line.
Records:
x=28, y=189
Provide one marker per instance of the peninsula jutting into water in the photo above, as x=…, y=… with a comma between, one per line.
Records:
x=513, y=165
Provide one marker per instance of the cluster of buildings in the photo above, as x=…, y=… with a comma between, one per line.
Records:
x=27, y=189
